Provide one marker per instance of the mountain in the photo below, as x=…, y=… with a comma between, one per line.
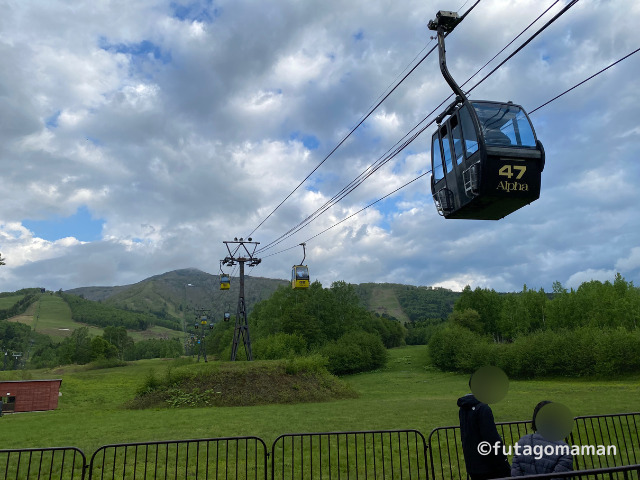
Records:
x=180, y=292
x=173, y=293
x=177, y=295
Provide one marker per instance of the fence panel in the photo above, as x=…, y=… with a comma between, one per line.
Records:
x=61, y=463
x=382, y=454
x=445, y=448
x=210, y=459
x=447, y=462
x=620, y=430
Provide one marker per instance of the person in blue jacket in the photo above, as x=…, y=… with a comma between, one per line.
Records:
x=533, y=458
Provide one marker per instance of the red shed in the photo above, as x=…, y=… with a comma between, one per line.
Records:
x=29, y=395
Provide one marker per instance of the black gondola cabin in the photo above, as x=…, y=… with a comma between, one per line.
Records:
x=486, y=161
x=299, y=277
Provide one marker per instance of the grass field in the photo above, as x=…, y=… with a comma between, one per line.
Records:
x=8, y=302
x=51, y=315
x=405, y=394
x=384, y=300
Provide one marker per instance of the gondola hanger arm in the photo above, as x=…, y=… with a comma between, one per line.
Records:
x=304, y=253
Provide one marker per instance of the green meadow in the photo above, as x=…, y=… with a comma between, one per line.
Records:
x=8, y=302
x=406, y=394
x=51, y=315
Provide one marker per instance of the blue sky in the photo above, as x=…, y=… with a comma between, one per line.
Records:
x=168, y=127
x=80, y=225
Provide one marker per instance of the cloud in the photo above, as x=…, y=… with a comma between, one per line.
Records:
x=631, y=262
x=588, y=275
x=186, y=124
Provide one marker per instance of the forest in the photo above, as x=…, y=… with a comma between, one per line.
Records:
x=112, y=348
x=101, y=315
x=592, y=330
x=330, y=322
x=29, y=295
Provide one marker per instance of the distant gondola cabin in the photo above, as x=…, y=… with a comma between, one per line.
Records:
x=299, y=277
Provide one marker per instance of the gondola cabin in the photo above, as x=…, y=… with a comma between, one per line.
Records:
x=225, y=282
x=486, y=161
x=299, y=277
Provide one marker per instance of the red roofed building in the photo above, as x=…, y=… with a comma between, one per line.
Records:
x=29, y=395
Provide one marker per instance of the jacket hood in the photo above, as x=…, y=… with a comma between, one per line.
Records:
x=468, y=401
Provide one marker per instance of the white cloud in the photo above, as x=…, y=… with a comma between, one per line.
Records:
x=578, y=278
x=183, y=132
x=629, y=263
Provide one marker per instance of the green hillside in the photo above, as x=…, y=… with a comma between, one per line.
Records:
x=407, y=393
x=172, y=295
x=9, y=301
x=406, y=302
x=155, y=308
x=175, y=293
x=50, y=315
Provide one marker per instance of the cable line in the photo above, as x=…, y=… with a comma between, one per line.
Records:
x=540, y=30
x=430, y=123
x=508, y=44
x=352, y=215
x=346, y=190
x=584, y=81
x=342, y=141
x=356, y=127
x=386, y=157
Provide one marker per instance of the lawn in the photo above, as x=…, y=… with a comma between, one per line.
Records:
x=405, y=394
x=8, y=302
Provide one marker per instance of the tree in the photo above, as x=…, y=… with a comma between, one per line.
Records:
x=2, y=260
x=118, y=336
x=467, y=318
x=100, y=348
x=487, y=303
x=76, y=348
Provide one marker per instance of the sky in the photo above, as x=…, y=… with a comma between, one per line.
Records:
x=136, y=136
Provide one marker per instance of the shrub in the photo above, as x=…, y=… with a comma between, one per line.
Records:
x=355, y=352
x=617, y=352
x=456, y=348
x=101, y=363
x=577, y=352
x=311, y=364
x=150, y=383
x=279, y=345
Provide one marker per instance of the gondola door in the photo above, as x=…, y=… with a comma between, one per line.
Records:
x=449, y=161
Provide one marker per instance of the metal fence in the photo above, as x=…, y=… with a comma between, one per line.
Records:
x=445, y=447
x=61, y=463
x=381, y=454
x=213, y=458
x=446, y=460
x=620, y=430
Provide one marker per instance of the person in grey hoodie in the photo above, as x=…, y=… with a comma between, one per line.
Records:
x=533, y=459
